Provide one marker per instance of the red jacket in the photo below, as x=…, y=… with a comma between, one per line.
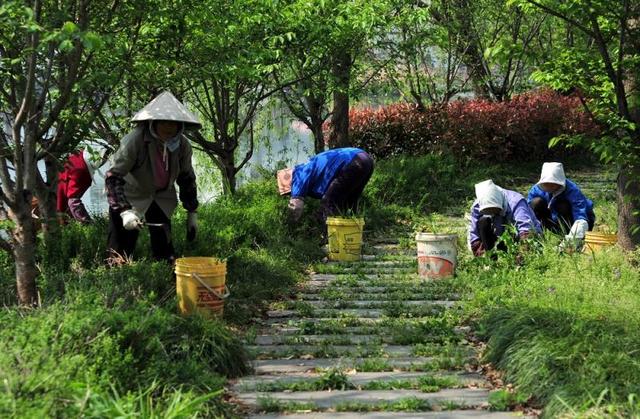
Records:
x=73, y=182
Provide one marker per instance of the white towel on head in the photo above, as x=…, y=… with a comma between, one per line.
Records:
x=489, y=195
x=553, y=172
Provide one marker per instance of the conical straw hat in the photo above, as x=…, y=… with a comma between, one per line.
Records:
x=165, y=107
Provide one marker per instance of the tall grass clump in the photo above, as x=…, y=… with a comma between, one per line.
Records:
x=563, y=328
x=89, y=343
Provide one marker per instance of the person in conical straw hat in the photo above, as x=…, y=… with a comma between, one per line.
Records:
x=494, y=209
x=141, y=180
x=561, y=206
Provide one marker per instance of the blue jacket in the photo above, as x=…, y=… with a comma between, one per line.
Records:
x=313, y=178
x=581, y=206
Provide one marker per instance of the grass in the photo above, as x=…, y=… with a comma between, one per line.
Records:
x=406, y=404
x=563, y=328
x=111, y=340
x=426, y=384
x=338, y=380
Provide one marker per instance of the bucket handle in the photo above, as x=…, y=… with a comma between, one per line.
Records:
x=226, y=293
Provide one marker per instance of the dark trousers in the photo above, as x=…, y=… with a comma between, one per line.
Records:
x=122, y=242
x=345, y=189
x=564, y=221
x=487, y=233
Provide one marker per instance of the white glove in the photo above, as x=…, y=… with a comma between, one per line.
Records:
x=296, y=205
x=131, y=220
x=578, y=230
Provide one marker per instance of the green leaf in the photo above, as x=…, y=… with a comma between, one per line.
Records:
x=66, y=45
x=69, y=28
x=92, y=41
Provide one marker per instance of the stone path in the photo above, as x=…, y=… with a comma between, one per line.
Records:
x=366, y=340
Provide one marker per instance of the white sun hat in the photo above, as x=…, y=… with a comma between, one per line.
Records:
x=553, y=172
x=489, y=195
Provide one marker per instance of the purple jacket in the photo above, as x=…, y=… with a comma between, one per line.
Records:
x=517, y=213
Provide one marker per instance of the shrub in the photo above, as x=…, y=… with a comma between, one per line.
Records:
x=514, y=130
x=54, y=357
x=563, y=329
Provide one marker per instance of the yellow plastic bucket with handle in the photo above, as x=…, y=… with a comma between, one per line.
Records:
x=201, y=285
x=345, y=238
x=595, y=241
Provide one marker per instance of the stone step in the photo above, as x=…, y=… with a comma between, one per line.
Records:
x=294, y=320
x=407, y=279
x=373, y=262
x=407, y=256
x=447, y=414
x=368, y=270
x=319, y=351
x=359, y=379
x=288, y=366
x=328, y=313
x=360, y=295
x=465, y=397
x=434, y=306
x=282, y=338
x=286, y=330
x=376, y=286
x=324, y=304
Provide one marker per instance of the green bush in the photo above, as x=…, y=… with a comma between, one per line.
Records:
x=54, y=356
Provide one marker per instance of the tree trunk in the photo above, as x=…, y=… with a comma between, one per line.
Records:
x=628, y=198
x=24, y=253
x=318, y=138
x=316, y=110
x=228, y=172
x=470, y=50
x=341, y=69
x=46, y=194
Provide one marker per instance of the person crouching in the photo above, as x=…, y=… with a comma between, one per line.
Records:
x=493, y=210
x=561, y=206
x=337, y=177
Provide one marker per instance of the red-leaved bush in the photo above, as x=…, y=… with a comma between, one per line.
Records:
x=515, y=130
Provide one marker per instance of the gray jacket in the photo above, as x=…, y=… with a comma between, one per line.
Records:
x=130, y=180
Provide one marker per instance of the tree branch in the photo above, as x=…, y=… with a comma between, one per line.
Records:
x=561, y=16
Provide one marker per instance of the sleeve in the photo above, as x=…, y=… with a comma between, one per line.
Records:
x=473, y=225
x=78, y=210
x=123, y=162
x=187, y=179
x=523, y=220
x=578, y=204
x=534, y=192
x=302, y=175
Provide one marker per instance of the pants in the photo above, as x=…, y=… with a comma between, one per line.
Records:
x=122, y=242
x=345, y=189
x=487, y=233
x=564, y=221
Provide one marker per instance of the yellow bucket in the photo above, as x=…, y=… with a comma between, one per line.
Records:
x=200, y=285
x=345, y=238
x=597, y=241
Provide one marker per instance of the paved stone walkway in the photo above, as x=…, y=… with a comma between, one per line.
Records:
x=366, y=340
